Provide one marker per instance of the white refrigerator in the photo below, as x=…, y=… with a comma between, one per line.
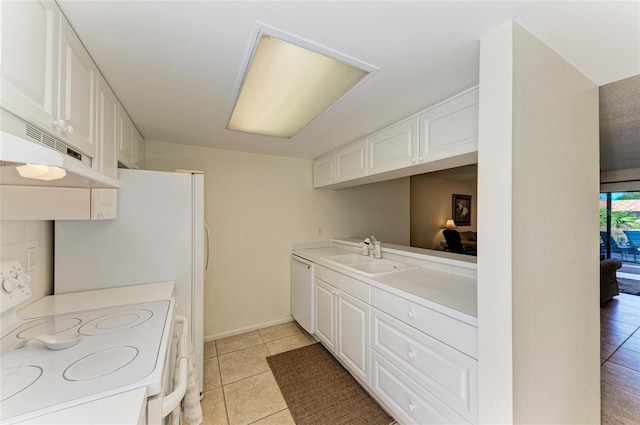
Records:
x=159, y=235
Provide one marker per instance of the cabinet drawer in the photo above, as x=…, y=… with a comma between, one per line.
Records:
x=347, y=284
x=409, y=403
x=448, y=374
x=459, y=335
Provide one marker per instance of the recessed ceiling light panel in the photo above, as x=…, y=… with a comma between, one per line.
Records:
x=287, y=84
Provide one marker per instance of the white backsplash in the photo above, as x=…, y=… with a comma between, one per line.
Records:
x=18, y=236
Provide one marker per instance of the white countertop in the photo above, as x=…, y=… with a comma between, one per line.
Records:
x=448, y=293
x=88, y=300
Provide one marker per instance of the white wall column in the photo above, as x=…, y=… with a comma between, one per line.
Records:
x=538, y=270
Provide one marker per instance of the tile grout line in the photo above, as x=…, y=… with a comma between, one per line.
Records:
x=224, y=396
x=269, y=415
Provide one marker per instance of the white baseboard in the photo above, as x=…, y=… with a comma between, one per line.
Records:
x=239, y=331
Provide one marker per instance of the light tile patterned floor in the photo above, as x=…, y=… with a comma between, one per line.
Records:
x=239, y=387
x=620, y=359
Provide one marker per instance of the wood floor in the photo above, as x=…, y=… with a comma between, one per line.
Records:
x=620, y=360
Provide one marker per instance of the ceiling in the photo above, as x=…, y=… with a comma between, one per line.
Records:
x=176, y=65
x=620, y=124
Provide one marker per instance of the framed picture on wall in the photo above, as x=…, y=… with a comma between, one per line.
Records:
x=461, y=210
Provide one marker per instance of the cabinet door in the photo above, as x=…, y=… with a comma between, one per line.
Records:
x=107, y=131
x=125, y=150
x=324, y=171
x=450, y=128
x=353, y=334
x=104, y=202
x=325, y=314
x=139, y=150
x=351, y=162
x=77, y=93
x=30, y=60
x=394, y=148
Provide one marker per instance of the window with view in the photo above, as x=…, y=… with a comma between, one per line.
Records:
x=620, y=226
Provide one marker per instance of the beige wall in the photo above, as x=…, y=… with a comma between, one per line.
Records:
x=16, y=237
x=431, y=207
x=257, y=206
x=538, y=274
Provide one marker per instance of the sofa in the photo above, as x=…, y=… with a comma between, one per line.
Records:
x=469, y=239
x=608, y=281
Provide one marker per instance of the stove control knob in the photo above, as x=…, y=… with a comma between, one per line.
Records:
x=23, y=279
x=9, y=285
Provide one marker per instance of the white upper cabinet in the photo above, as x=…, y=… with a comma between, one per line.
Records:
x=30, y=67
x=77, y=93
x=104, y=202
x=107, y=130
x=48, y=78
x=131, y=147
x=139, y=150
x=324, y=171
x=351, y=161
x=450, y=128
x=393, y=148
x=127, y=129
x=447, y=131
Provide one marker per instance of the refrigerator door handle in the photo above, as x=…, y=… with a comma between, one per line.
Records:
x=206, y=229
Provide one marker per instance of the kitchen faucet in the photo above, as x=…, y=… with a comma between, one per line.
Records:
x=371, y=246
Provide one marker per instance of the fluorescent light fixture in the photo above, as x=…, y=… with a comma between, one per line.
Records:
x=41, y=172
x=286, y=86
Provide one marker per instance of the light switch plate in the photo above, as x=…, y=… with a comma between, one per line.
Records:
x=32, y=258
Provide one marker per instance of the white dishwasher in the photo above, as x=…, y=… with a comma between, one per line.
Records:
x=302, y=292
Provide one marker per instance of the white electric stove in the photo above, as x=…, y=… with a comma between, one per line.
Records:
x=115, y=347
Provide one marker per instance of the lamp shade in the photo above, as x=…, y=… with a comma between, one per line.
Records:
x=450, y=224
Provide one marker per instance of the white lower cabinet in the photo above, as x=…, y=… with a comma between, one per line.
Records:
x=353, y=334
x=418, y=362
x=342, y=324
x=409, y=402
x=325, y=314
x=444, y=372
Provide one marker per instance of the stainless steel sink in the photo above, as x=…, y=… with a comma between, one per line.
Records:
x=368, y=265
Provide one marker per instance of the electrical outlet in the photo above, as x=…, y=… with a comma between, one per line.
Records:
x=32, y=258
x=319, y=231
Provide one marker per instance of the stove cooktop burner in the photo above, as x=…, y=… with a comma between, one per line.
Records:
x=16, y=379
x=101, y=363
x=111, y=323
x=49, y=326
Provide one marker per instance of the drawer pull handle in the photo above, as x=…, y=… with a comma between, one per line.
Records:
x=412, y=407
x=411, y=314
x=411, y=354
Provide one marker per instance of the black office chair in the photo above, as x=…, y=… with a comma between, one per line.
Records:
x=454, y=243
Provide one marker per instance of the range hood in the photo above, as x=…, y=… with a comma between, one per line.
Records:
x=21, y=144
